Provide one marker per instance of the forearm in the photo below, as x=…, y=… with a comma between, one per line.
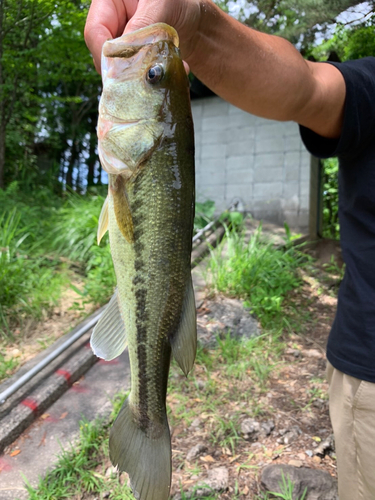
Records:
x=264, y=74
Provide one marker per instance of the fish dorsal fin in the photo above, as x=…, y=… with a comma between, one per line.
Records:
x=184, y=342
x=103, y=221
x=108, y=339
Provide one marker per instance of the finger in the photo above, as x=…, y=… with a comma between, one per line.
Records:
x=148, y=12
x=187, y=67
x=104, y=21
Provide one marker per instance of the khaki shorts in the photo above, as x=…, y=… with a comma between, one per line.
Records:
x=352, y=411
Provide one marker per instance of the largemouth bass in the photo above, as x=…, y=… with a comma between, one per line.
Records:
x=146, y=144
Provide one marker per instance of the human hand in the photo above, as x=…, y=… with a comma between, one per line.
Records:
x=111, y=18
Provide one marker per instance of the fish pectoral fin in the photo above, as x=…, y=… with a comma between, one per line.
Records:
x=146, y=458
x=108, y=339
x=103, y=221
x=184, y=342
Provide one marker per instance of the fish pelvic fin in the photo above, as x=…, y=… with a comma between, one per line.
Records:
x=147, y=459
x=184, y=341
x=103, y=221
x=121, y=207
x=108, y=339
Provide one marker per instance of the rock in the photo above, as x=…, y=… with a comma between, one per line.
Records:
x=223, y=315
x=200, y=384
x=195, y=423
x=295, y=463
x=106, y=494
x=326, y=447
x=250, y=428
x=111, y=471
x=267, y=427
x=319, y=403
x=320, y=485
x=293, y=352
x=290, y=435
x=313, y=353
x=217, y=480
x=195, y=451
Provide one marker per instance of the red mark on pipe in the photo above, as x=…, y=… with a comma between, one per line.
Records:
x=65, y=374
x=30, y=403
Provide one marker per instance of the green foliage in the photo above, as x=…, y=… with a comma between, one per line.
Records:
x=76, y=469
x=49, y=95
x=75, y=227
x=255, y=271
x=29, y=283
x=353, y=42
x=331, y=227
x=297, y=20
x=7, y=366
x=204, y=213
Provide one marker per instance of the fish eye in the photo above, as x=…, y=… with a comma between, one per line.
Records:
x=155, y=74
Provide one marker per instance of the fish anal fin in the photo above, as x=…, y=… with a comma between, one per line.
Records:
x=103, y=221
x=108, y=339
x=184, y=342
x=147, y=459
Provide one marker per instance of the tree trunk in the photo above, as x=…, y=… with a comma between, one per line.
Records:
x=72, y=161
x=92, y=159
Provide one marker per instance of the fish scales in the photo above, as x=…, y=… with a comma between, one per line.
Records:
x=149, y=155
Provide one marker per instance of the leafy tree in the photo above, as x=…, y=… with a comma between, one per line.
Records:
x=351, y=42
x=21, y=25
x=297, y=20
x=48, y=94
x=70, y=87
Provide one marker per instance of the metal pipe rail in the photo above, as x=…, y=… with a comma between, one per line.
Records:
x=48, y=359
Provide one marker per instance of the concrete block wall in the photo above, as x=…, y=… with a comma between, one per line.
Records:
x=262, y=162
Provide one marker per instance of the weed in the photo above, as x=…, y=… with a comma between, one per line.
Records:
x=287, y=488
x=77, y=468
x=255, y=271
x=29, y=283
x=203, y=214
x=7, y=366
x=224, y=432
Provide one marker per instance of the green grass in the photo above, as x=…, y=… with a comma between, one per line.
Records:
x=257, y=272
x=80, y=469
x=29, y=282
x=286, y=487
x=7, y=366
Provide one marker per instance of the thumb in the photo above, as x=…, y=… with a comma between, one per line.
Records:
x=148, y=12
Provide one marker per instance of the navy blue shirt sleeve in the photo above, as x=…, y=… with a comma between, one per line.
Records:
x=359, y=113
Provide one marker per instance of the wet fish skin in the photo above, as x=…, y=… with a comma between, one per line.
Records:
x=146, y=143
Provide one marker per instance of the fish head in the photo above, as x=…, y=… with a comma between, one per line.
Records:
x=140, y=71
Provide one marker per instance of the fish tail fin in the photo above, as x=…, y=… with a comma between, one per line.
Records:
x=146, y=457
